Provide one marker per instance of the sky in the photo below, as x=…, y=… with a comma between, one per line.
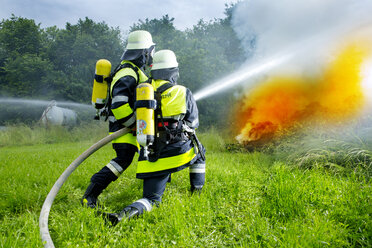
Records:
x=116, y=13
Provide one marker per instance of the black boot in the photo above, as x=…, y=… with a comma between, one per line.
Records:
x=127, y=213
x=197, y=177
x=91, y=194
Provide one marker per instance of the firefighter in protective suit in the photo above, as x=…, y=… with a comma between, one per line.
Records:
x=125, y=78
x=176, y=146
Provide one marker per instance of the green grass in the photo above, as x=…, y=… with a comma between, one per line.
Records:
x=257, y=199
x=16, y=135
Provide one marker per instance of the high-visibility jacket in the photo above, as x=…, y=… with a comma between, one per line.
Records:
x=122, y=94
x=178, y=107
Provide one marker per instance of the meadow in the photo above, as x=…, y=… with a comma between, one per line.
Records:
x=304, y=191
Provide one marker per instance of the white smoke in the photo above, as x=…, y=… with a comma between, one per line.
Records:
x=280, y=25
x=367, y=81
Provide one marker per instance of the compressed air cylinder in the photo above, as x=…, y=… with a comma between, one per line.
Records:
x=99, y=93
x=145, y=114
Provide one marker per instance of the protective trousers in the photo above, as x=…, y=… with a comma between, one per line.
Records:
x=111, y=172
x=154, y=187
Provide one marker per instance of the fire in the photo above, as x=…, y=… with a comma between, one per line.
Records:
x=283, y=102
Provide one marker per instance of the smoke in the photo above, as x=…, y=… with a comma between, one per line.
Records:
x=281, y=25
x=328, y=73
x=367, y=80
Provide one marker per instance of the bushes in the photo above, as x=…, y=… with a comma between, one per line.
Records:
x=342, y=149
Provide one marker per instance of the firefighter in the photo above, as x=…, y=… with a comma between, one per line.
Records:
x=125, y=78
x=175, y=147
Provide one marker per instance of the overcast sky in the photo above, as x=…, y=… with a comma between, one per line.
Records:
x=121, y=13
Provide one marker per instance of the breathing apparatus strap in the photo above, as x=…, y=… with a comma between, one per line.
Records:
x=109, y=81
x=164, y=87
x=150, y=104
x=98, y=78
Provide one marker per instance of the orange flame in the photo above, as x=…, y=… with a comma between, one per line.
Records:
x=282, y=102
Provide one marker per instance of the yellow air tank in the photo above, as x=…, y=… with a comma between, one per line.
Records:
x=99, y=93
x=145, y=106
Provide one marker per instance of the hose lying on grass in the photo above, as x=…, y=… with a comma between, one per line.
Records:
x=44, y=214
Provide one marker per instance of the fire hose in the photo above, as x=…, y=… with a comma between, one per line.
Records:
x=44, y=214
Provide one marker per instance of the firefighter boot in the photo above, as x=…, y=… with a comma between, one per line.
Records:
x=127, y=213
x=197, y=177
x=135, y=209
x=91, y=194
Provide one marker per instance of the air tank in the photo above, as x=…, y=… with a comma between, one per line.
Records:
x=54, y=115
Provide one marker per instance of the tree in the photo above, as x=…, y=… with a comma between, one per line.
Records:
x=163, y=32
x=75, y=50
x=20, y=36
x=52, y=62
x=24, y=74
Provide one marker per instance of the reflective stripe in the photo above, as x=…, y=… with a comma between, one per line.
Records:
x=130, y=121
x=127, y=123
x=146, y=203
x=197, y=168
x=111, y=118
x=119, y=99
x=128, y=138
x=115, y=168
x=161, y=164
x=122, y=111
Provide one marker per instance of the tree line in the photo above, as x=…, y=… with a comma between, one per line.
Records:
x=58, y=63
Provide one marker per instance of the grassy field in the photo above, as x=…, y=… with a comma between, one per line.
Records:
x=288, y=195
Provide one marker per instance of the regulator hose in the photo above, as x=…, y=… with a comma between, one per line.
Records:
x=44, y=214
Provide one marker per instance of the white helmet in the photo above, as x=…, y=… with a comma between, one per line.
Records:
x=164, y=59
x=139, y=39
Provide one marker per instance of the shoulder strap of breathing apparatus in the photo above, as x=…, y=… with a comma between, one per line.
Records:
x=109, y=81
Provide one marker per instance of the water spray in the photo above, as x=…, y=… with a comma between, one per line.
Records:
x=51, y=112
x=242, y=75
x=42, y=102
